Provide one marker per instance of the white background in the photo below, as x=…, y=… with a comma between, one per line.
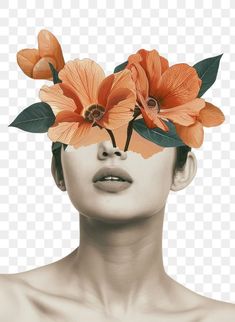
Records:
x=38, y=224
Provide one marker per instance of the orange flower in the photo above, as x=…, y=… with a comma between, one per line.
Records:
x=86, y=97
x=193, y=135
x=165, y=92
x=34, y=62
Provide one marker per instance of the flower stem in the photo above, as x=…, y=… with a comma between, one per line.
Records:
x=109, y=132
x=129, y=133
x=112, y=137
x=96, y=124
x=130, y=130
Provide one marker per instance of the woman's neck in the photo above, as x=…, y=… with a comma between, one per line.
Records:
x=119, y=266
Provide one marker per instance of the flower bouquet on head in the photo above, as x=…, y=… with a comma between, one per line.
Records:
x=143, y=106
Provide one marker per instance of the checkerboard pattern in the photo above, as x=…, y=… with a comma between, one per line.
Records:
x=38, y=224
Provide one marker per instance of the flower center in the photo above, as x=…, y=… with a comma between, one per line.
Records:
x=94, y=112
x=153, y=103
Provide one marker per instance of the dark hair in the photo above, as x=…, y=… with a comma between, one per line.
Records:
x=181, y=156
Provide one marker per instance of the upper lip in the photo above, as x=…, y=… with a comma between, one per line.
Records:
x=108, y=171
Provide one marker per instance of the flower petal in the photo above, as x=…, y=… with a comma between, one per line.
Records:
x=151, y=64
x=123, y=79
x=68, y=116
x=64, y=132
x=191, y=135
x=137, y=143
x=139, y=77
x=134, y=58
x=94, y=135
x=179, y=84
x=84, y=76
x=211, y=115
x=104, y=89
x=151, y=116
x=109, y=84
x=119, y=109
x=120, y=92
x=42, y=69
x=53, y=95
x=26, y=59
x=164, y=64
x=184, y=114
x=48, y=45
x=69, y=92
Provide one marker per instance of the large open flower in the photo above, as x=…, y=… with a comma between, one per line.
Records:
x=86, y=98
x=34, y=62
x=165, y=92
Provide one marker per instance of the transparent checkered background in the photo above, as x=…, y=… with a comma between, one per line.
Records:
x=38, y=224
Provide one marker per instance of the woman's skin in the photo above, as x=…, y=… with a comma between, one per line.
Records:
x=117, y=272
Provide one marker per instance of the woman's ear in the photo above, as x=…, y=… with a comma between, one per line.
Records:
x=60, y=183
x=182, y=178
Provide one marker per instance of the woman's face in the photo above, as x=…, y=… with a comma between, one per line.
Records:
x=117, y=201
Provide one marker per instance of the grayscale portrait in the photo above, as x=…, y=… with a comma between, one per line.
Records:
x=121, y=142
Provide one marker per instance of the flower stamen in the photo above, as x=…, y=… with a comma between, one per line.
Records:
x=94, y=112
x=153, y=103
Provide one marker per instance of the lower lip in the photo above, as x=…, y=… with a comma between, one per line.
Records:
x=112, y=186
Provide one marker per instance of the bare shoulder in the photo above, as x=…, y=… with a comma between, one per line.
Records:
x=10, y=297
x=19, y=299
x=205, y=309
x=219, y=311
x=211, y=310
x=8, y=288
x=216, y=311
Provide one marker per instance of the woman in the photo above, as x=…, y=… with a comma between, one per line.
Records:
x=117, y=272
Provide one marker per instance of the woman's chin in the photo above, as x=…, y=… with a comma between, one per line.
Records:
x=109, y=215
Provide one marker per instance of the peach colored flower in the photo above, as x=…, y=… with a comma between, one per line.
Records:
x=85, y=98
x=34, y=62
x=193, y=135
x=165, y=92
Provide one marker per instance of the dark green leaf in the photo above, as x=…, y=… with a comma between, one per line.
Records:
x=158, y=136
x=36, y=118
x=54, y=74
x=120, y=67
x=207, y=70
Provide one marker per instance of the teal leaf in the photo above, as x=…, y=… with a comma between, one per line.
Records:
x=36, y=118
x=120, y=67
x=157, y=135
x=207, y=70
x=55, y=74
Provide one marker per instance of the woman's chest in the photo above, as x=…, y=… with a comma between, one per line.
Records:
x=57, y=309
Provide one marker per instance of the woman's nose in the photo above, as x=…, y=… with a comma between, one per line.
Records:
x=106, y=150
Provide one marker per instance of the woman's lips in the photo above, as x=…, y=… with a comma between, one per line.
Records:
x=112, y=171
x=112, y=186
